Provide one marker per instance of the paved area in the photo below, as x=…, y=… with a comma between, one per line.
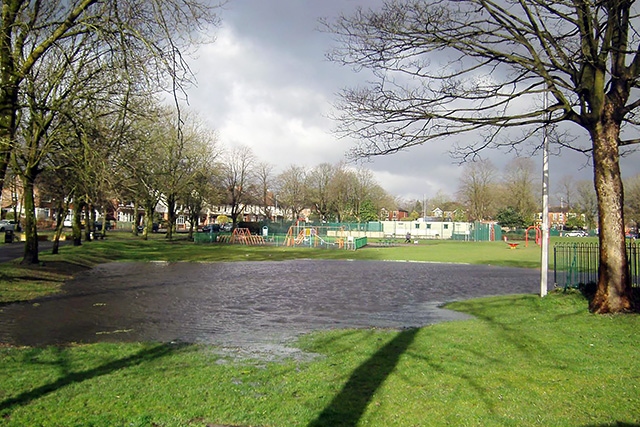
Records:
x=11, y=251
x=251, y=303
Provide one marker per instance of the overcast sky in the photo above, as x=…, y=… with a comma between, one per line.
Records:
x=265, y=83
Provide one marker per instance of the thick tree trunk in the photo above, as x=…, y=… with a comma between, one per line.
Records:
x=148, y=221
x=8, y=110
x=77, y=225
x=30, y=226
x=613, y=293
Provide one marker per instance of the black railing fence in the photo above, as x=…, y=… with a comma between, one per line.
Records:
x=576, y=264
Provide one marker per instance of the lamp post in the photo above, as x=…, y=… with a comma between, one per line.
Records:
x=544, y=259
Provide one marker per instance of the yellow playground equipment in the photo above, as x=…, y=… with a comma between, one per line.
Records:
x=241, y=236
x=301, y=234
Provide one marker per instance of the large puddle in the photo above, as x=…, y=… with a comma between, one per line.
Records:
x=250, y=303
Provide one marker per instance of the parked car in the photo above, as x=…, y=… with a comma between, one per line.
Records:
x=98, y=225
x=576, y=233
x=6, y=225
x=154, y=228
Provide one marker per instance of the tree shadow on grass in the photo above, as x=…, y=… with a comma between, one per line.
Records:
x=347, y=407
x=615, y=424
x=142, y=356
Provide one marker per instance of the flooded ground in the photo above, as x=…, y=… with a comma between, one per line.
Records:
x=250, y=303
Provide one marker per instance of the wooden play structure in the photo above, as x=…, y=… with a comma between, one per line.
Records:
x=241, y=236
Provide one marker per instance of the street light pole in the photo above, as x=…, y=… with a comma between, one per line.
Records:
x=544, y=259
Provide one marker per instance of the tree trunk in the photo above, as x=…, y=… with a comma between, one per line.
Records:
x=8, y=108
x=148, y=221
x=61, y=213
x=171, y=213
x=136, y=220
x=77, y=225
x=88, y=224
x=193, y=224
x=103, y=223
x=613, y=293
x=30, y=226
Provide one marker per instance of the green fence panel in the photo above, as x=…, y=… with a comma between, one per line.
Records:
x=205, y=237
x=373, y=226
x=359, y=242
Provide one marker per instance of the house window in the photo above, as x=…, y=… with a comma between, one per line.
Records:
x=446, y=226
x=428, y=226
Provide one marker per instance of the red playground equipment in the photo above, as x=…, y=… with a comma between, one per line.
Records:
x=241, y=236
x=538, y=236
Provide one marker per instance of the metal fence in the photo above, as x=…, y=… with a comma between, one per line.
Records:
x=576, y=264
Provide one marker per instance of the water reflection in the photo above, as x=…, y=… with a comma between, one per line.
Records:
x=250, y=302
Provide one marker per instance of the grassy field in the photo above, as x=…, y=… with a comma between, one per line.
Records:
x=522, y=361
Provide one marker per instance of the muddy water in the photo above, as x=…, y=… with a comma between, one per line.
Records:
x=249, y=303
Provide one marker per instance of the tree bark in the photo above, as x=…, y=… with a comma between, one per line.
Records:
x=171, y=213
x=88, y=222
x=61, y=213
x=613, y=292
x=134, y=226
x=77, y=225
x=30, y=226
x=148, y=221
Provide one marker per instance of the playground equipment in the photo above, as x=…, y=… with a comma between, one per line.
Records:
x=302, y=234
x=538, y=236
x=241, y=236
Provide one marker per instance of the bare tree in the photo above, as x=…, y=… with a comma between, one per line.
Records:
x=58, y=184
x=587, y=202
x=520, y=182
x=137, y=159
x=318, y=182
x=567, y=191
x=363, y=187
x=264, y=182
x=292, y=189
x=54, y=100
x=632, y=200
x=199, y=153
x=482, y=67
x=185, y=148
x=151, y=34
x=238, y=180
x=477, y=190
x=342, y=190
x=196, y=195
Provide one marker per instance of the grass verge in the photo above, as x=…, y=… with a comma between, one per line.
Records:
x=522, y=361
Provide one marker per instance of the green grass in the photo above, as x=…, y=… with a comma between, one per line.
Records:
x=122, y=247
x=522, y=360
